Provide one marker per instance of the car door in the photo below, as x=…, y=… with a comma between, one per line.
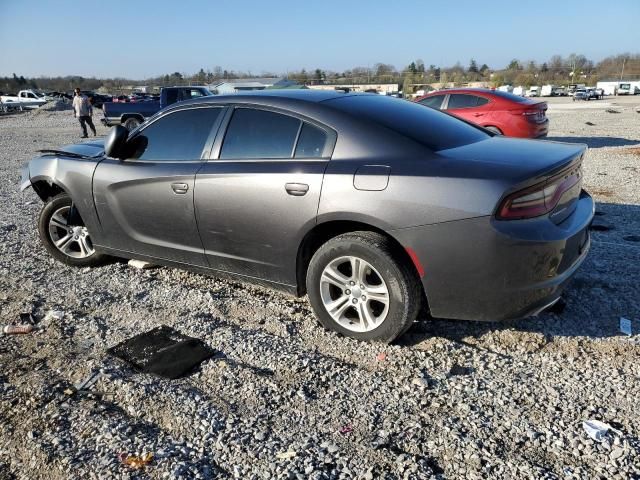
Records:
x=259, y=193
x=470, y=107
x=145, y=203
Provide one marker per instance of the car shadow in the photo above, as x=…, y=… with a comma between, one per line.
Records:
x=596, y=142
x=604, y=289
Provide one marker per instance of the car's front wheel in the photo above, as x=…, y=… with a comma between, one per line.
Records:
x=360, y=286
x=64, y=238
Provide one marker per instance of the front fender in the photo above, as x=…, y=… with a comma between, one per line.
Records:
x=25, y=180
x=71, y=175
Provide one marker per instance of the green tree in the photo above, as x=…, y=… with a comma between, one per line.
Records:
x=514, y=65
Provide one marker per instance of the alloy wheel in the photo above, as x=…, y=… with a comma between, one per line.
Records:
x=72, y=241
x=354, y=294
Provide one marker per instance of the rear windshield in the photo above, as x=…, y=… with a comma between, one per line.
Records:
x=510, y=96
x=432, y=128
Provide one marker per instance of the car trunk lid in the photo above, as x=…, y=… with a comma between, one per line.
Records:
x=533, y=112
x=527, y=167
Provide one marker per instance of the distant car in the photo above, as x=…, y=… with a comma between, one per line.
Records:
x=593, y=94
x=138, y=107
x=532, y=92
x=25, y=99
x=495, y=110
x=581, y=94
x=370, y=205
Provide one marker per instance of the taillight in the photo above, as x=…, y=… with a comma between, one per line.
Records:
x=539, y=199
x=534, y=116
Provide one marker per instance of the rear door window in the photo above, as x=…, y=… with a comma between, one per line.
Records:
x=262, y=134
x=178, y=136
x=433, y=102
x=462, y=100
x=311, y=142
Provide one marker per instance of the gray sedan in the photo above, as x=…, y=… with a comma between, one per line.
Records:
x=372, y=206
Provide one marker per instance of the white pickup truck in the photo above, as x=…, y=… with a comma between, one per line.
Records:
x=24, y=99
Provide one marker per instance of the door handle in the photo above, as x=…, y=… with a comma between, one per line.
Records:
x=296, y=189
x=180, y=188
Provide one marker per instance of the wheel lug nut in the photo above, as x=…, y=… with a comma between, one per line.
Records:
x=364, y=297
x=362, y=287
x=352, y=283
x=355, y=300
x=348, y=292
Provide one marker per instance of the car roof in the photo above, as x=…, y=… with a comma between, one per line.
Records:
x=486, y=91
x=314, y=96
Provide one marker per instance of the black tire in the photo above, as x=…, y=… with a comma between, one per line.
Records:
x=495, y=130
x=132, y=123
x=50, y=208
x=405, y=292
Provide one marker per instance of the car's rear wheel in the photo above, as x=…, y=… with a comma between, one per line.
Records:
x=132, y=123
x=360, y=286
x=68, y=242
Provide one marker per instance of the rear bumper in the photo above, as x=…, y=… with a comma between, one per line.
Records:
x=491, y=270
x=520, y=127
x=535, y=130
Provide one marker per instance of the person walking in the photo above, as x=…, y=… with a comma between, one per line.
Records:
x=83, y=112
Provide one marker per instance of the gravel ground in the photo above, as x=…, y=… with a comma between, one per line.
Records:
x=286, y=399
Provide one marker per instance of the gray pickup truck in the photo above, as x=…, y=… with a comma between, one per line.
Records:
x=133, y=114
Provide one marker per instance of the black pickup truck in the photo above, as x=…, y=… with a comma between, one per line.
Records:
x=133, y=114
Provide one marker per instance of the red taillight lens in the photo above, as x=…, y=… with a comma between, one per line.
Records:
x=539, y=199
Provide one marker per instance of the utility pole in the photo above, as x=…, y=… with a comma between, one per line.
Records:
x=622, y=72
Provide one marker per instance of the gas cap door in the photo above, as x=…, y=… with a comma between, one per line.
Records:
x=371, y=177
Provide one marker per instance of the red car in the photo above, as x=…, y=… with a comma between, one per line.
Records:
x=500, y=112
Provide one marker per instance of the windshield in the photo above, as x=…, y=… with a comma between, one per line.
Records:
x=432, y=128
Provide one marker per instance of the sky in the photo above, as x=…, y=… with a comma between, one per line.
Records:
x=145, y=38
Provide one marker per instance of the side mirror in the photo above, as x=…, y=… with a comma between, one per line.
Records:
x=114, y=145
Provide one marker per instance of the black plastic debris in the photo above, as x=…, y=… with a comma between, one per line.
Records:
x=600, y=227
x=459, y=370
x=631, y=238
x=163, y=351
x=589, y=123
x=27, y=318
